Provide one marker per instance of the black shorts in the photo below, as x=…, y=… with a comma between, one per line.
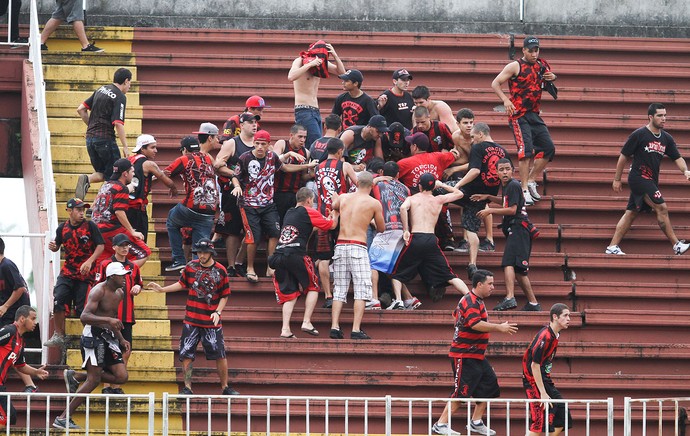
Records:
x=3, y=411
x=424, y=256
x=294, y=275
x=470, y=221
x=325, y=243
x=537, y=413
x=474, y=378
x=639, y=188
x=96, y=349
x=139, y=219
x=127, y=332
x=532, y=137
x=229, y=220
x=69, y=291
x=518, y=248
x=103, y=153
x=211, y=339
x=259, y=222
x=284, y=201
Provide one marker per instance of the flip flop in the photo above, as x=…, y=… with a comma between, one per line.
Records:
x=288, y=337
x=252, y=278
x=312, y=331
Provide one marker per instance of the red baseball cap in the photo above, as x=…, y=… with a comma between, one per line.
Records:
x=255, y=101
x=262, y=135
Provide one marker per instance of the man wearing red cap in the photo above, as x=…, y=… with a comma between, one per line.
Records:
x=254, y=105
x=305, y=74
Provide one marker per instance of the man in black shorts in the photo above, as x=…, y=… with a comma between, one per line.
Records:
x=293, y=268
x=536, y=375
x=101, y=341
x=519, y=233
x=474, y=376
x=647, y=146
x=422, y=253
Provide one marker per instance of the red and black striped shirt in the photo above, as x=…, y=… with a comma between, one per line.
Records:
x=542, y=350
x=78, y=244
x=290, y=182
x=112, y=196
x=467, y=342
x=440, y=136
x=206, y=286
x=11, y=350
x=125, y=312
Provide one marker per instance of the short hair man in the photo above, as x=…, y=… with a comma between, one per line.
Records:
x=439, y=134
x=536, y=375
x=82, y=244
x=525, y=78
x=295, y=274
x=364, y=142
x=462, y=141
x=395, y=104
x=254, y=105
x=12, y=354
x=474, y=376
x=519, y=233
x=291, y=151
x=354, y=106
x=438, y=109
x=350, y=258
x=101, y=342
x=317, y=149
x=306, y=73
x=71, y=11
x=207, y=284
x=646, y=147
x=104, y=114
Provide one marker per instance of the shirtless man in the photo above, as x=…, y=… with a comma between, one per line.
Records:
x=351, y=259
x=101, y=341
x=462, y=142
x=438, y=109
x=422, y=252
x=305, y=74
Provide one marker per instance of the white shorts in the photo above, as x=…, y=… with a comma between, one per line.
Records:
x=351, y=263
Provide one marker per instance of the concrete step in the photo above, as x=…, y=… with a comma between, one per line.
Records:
x=144, y=327
x=73, y=98
x=144, y=365
x=83, y=70
x=75, y=124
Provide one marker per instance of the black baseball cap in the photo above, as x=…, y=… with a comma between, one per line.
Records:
x=427, y=182
x=120, y=166
x=530, y=42
x=248, y=117
x=205, y=245
x=190, y=143
x=420, y=139
x=120, y=239
x=379, y=123
x=397, y=74
x=353, y=75
x=73, y=203
x=396, y=135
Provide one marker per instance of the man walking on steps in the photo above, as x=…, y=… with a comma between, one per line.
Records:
x=647, y=146
x=71, y=11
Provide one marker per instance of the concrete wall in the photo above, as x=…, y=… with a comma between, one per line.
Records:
x=662, y=18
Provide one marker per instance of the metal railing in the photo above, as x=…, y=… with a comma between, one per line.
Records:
x=661, y=414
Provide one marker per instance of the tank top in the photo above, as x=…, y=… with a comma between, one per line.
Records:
x=329, y=178
x=525, y=88
x=290, y=182
x=361, y=150
x=139, y=198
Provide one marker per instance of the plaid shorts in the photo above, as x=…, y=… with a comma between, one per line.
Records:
x=351, y=263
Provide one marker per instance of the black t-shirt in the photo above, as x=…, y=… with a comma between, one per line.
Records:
x=361, y=150
x=512, y=195
x=355, y=111
x=78, y=244
x=647, y=150
x=107, y=105
x=10, y=281
x=318, y=149
x=398, y=108
x=298, y=224
x=484, y=156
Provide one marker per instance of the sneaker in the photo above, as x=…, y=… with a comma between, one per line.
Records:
x=71, y=382
x=359, y=335
x=186, y=391
x=373, y=305
x=532, y=188
x=175, y=267
x=241, y=269
x=529, y=307
x=506, y=304
x=118, y=391
x=108, y=390
x=487, y=246
x=444, y=429
x=615, y=249
x=44, y=47
x=83, y=186
x=471, y=269
x=21, y=40
x=448, y=245
x=30, y=389
x=396, y=305
x=231, y=271
x=463, y=247
x=64, y=424
x=55, y=341
x=681, y=247
x=228, y=390
x=480, y=429
x=412, y=304
x=336, y=334
x=92, y=48
x=328, y=303
x=528, y=198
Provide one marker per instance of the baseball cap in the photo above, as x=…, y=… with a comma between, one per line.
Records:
x=531, y=42
x=77, y=202
x=120, y=166
x=256, y=101
x=207, y=129
x=204, y=245
x=120, y=239
x=421, y=140
x=248, y=117
x=116, y=269
x=142, y=141
x=397, y=74
x=353, y=76
x=427, y=182
x=262, y=135
x=396, y=136
x=379, y=123
x=190, y=143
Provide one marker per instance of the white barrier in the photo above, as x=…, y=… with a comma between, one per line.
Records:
x=661, y=414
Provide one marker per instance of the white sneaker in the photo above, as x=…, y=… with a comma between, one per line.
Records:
x=480, y=429
x=373, y=305
x=444, y=429
x=615, y=249
x=396, y=305
x=528, y=198
x=681, y=247
x=412, y=303
x=532, y=188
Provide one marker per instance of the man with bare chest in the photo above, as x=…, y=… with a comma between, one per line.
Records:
x=305, y=74
x=351, y=258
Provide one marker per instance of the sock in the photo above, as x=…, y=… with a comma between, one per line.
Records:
x=477, y=422
x=534, y=304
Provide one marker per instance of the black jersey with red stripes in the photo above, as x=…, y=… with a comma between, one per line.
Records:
x=206, y=286
x=11, y=350
x=140, y=197
x=125, y=311
x=542, y=350
x=298, y=224
x=329, y=178
x=440, y=136
x=525, y=88
x=468, y=342
x=78, y=243
x=290, y=182
x=112, y=196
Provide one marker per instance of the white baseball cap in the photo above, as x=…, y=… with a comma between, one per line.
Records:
x=143, y=140
x=116, y=269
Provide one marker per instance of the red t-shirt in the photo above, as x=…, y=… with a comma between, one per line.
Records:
x=412, y=168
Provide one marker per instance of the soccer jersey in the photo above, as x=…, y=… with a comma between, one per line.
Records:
x=513, y=196
x=354, y=111
x=412, y=168
x=542, y=350
x=467, y=342
x=78, y=242
x=290, y=182
x=391, y=194
x=398, y=108
x=140, y=197
x=329, y=178
x=199, y=181
x=11, y=350
x=257, y=177
x=317, y=150
x=107, y=105
x=483, y=156
x=297, y=227
x=647, y=150
x=112, y=196
x=206, y=286
x=440, y=136
x=525, y=88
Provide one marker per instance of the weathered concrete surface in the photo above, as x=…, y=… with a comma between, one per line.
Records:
x=664, y=18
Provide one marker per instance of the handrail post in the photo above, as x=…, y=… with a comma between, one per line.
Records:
x=389, y=412
x=152, y=412
x=627, y=417
x=165, y=412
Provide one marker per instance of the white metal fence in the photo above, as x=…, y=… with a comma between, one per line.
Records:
x=653, y=416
